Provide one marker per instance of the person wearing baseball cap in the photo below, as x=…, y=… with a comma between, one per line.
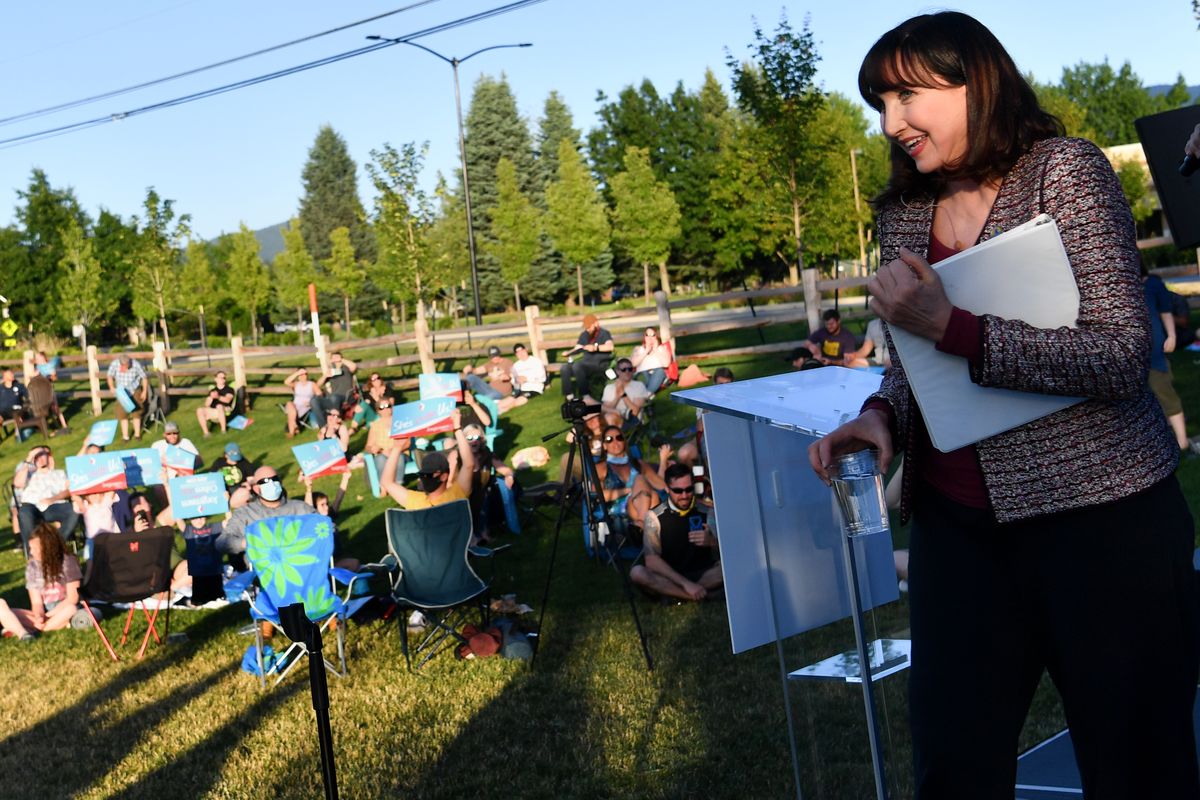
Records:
x=172, y=435
x=589, y=357
x=433, y=474
x=236, y=471
x=498, y=370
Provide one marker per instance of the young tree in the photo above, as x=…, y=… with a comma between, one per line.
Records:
x=197, y=284
x=115, y=242
x=347, y=273
x=42, y=216
x=778, y=90
x=575, y=218
x=331, y=198
x=516, y=229
x=249, y=284
x=1111, y=99
x=645, y=216
x=403, y=214
x=446, y=262
x=293, y=270
x=81, y=300
x=155, y=269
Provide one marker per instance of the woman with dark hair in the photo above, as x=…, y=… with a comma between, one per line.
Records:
x=52, y=579
x=651, y=359
x=1063, y=544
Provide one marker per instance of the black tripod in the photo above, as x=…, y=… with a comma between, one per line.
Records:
x=590, y=488
x=299, y=628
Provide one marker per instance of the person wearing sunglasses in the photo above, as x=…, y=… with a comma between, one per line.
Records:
x=268, y=499
x=680, y=558
x=334, y=428
x=625, y=396
x=366, y=411
x=624, y=486
x=651, y=359
x=439, y=484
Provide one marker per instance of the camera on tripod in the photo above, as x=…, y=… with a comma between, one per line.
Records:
x=576, y=410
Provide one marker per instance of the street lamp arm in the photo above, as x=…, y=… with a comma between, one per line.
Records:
x=485, y=49
x=431, y=51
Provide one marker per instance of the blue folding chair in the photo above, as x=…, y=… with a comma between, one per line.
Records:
x=428, y=557
x=492, y=430
x=292, y=558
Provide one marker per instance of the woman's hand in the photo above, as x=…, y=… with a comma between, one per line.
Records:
x=908, y=293
x=869, y=429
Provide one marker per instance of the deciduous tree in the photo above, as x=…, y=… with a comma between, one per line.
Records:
x=293, y=270
x=403, y=214
x=347, y=273
x=516, y=229
x=80, y=298
x=249, y=284
x=160, y=235
x=575, y=218
x=645, y=216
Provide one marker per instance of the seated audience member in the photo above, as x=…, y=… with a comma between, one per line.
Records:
x=474, y=411
x=487, y=469
x=625, y=396
x=691, y=452
x=218, y=406
x=13, y=395
x=434, y=476
x=172, y=436
x=330, y=508
x=127, y=374
x=499, y=376
x=801, y=358
x=45, y=496
x=528, y=373
x=680, y=556
x=833, y=343
x=650, y=360
x=201, y=567
x=366, y=410
x=627, y=492
x=380, y=442
x=304, y=394
x=236, y=471
x=337, y=385
x=595, y=424
x=49, y=368
x=334, y=428
x=589, y=357
x=269, y=499
x=52, y=579
x=96, y=511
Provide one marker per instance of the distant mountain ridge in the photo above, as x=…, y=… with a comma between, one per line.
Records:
x=1163, y=88
x=270, y=241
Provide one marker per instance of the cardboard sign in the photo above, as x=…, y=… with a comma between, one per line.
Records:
x=178, y=459
x=423, y=418
x=143, y=466
x=320, y=458
x=440, y=384
x=99, y=472
x=198, y=496
x=124, y=399
x=239, y=423
x=103, y=432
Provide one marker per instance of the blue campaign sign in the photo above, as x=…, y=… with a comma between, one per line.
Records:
x=102, y=432
x=440, y=384
x=239, y=423
x=143, y=466
x=324, y=457
x=99, y=472
x=422, y=418
x=124, y=399
x=178, y=459
x=198, y=495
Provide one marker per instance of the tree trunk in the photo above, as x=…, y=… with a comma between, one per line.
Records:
x=83, y=338
x=664, y=279
x=346, y=321
x=646, y=279
x=579, y=280
x=229, y=329
x=300, y=321
x=794, y=269
x=404, y=316
x=517, y=295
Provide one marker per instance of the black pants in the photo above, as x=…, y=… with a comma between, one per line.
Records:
x=577, y=375
x=1103, y=598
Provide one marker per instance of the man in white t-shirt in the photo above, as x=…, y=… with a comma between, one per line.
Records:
x=171, y=435
x=625, y=396
x=528, y=372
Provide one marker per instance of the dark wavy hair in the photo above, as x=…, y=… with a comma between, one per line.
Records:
x=952, y=49
x=53, y=552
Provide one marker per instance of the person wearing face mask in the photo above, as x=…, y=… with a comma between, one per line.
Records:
x=679, y=549
x=269, y=500
x=437, y=484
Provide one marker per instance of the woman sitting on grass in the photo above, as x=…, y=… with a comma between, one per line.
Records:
x=52, y=579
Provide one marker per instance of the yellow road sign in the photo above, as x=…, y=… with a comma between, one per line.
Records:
x=8, y=327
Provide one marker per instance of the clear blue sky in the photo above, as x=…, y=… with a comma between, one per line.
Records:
x=238, y=157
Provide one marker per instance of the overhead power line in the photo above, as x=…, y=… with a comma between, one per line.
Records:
x=83, y=101
x=49, y=133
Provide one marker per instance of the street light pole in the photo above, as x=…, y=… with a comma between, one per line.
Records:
x=462, y=150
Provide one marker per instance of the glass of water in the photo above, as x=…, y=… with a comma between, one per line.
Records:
x=858, y=486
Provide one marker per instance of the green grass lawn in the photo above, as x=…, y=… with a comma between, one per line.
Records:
x=587, y=721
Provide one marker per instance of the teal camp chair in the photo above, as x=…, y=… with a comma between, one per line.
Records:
x=292, y=558
x=428, y=559
x=490, y=432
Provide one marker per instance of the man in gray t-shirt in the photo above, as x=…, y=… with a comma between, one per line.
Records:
x=337, y=385
x=269, y=501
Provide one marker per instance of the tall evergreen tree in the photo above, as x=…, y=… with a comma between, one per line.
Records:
x=516, y=229
x=555, y=125
x=645, y=217
x=494, y=130
x=576, y=222
x=331, y=198
x=30, y=284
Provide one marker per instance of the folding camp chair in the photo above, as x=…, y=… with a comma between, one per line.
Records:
x=133, y=568
x=154, y=414
x=491, y=430
x=292, y=558
x=431, y=572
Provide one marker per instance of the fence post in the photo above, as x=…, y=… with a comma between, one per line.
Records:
x=159, y=360
x=812, y=299
x=533, y=326
x=27, y=366
x=239, y=362
x=664, y=316
x=93, y=367
x=323, y=354
x=424, y=351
